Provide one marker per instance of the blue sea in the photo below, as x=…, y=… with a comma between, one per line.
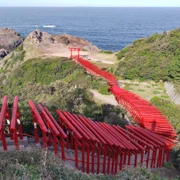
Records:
x=107, y=28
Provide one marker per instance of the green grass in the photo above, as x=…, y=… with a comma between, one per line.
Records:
x=172, y=112
x=154, y=58
x=141, y=90
x=154, y=85
x=136, y=84
x=156, y=92
x=107, y=52
x=37, y=164
x=57, y=83
x=104, y=90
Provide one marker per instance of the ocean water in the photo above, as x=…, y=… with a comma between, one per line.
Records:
x=107, y=28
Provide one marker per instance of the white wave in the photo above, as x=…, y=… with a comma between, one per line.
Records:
x=49, y=26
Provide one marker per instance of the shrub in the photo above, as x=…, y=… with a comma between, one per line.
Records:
x=104, y=90
x=141, y=90
x=38, y=164
x=154, y=58
x=107, y=52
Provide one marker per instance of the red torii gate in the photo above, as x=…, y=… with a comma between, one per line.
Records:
x=142, y=111
x=16, y=120
x=90, y=146
x=74, y=50
x=4, y=116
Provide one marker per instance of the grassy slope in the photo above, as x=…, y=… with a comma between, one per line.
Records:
x=37, y=164
x=153, y=58
x=58, y=83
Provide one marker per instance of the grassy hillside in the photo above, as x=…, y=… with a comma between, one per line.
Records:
x=58, y=83
x=154, y=58
x=172, y=112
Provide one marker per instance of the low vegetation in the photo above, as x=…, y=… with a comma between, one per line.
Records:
x=172, y=112
x=107, y=52
x=147, y=89
x=57, y=83
x=37, y=164
x=154, y=58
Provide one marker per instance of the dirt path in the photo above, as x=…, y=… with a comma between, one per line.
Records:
x=90, y=56
x=106, y=99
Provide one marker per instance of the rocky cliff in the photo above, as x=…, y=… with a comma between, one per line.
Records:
x=44, y=38
x=40, y=43
x=9, y=41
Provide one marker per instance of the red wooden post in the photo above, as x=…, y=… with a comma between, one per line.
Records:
x=135, y=163
x=109, y=160
x=71, y=140
x=112, y=167
x=129, y=159
x=98, y=161
x=78, y=53
x=92, y=159
x=68, y=140
x=153, y=158
x=62, y=148
x=83, y=148
x=76, y=151
x=3, y=139
x=55, y=144
x=35, y=130
x=104, y=161
x=3, y=115
x=15, y=137
x=50, y=141
x=124, y=159
x=44, y=139
x=19, y=124
x=147, y=161
x=142, y=156
x=163, y=159
x=71, y=53
x=167, y=154
x=88, y=163
x=121, y=162
x=20, y=129
x=116, y=163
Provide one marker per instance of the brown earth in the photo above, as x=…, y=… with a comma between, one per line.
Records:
x=9, y=41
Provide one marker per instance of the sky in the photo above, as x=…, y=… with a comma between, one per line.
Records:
x=94, y=3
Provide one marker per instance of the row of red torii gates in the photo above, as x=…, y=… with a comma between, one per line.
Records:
x=93, y=146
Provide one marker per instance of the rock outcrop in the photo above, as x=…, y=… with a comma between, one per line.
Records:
x=41, y=37
x=3, y=53
x=38, y=44
x=44, y=42
x=75, y=42
x=9, y=41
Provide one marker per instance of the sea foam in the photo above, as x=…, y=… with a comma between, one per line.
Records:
x=49, y=26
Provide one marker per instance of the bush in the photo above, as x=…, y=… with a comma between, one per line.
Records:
x=153, y=58
x=107, y=52
x=38, y=164
x=104, y=90
x=172, y=112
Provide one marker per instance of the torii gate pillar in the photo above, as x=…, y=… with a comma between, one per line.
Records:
x=74, y=50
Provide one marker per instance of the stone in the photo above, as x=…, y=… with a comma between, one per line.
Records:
x=9, y=41
x=3, y=53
